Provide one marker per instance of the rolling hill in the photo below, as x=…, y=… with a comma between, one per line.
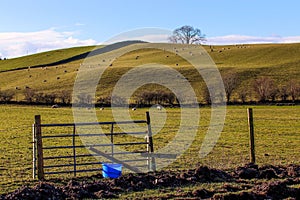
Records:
x=55, y=71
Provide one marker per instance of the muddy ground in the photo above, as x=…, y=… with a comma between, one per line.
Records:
x=246, y=182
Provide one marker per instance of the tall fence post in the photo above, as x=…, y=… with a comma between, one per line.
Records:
x=251, y=132
x=39, y=146
x=150, y=143
x=74, y=149
x=33, y=152
x=112, y=139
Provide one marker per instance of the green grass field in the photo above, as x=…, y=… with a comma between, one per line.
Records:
x=277, y=134
x=277, y=128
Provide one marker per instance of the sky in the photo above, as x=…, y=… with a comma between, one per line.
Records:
x=32, y=26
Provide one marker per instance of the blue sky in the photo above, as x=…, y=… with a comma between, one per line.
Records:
x=30, y=26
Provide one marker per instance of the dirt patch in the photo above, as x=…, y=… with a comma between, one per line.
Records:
x=246, y=182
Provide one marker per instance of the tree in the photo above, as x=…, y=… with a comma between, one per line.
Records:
x=50, y=98
x=283, y=93
x=84, y=99
x=187, y=35
x=39, y=97
x=29, y=95
x=6, y=96
x=265, y=88
x=65, y=97
x=293, y=89
x=230, y=83
x=243, y=94
x=206, y=95
x=211, y=95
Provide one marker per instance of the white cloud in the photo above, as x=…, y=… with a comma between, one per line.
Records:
x=79, y=24
x=244, y=39
x=15, y=44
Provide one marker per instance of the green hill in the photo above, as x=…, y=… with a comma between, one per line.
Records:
x=281, y=62
x=44, y=58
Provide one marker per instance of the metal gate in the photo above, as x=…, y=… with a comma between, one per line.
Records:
x=71, y=155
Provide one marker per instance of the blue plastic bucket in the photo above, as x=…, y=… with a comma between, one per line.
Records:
x=110, y=170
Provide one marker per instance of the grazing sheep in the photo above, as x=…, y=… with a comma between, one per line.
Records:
x=65, y=71
x=45, y=81
x=137, y=57
x=158, y=107
x=54, y=106
x=58, y=78
x=102, y=108
x=134, y=108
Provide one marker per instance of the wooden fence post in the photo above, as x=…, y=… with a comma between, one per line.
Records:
x=74, y=149
x=39, y=146
x=150, y=143
x=251, y=131
x=112, y=139
x=33, y=152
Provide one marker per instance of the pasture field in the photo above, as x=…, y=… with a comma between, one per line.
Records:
x=43, y=58
x=279, y=61
x=277, y=135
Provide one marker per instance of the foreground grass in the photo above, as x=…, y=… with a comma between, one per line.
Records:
x=277, y=134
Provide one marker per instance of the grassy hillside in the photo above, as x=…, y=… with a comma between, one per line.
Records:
x=43, y=58
x=257, y=55
x=281, y=62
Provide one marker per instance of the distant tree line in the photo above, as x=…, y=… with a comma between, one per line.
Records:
x=264, y=88
x=31, y=96
x=261, y=90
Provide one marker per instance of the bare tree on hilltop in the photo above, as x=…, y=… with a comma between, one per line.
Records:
x=187, y=35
